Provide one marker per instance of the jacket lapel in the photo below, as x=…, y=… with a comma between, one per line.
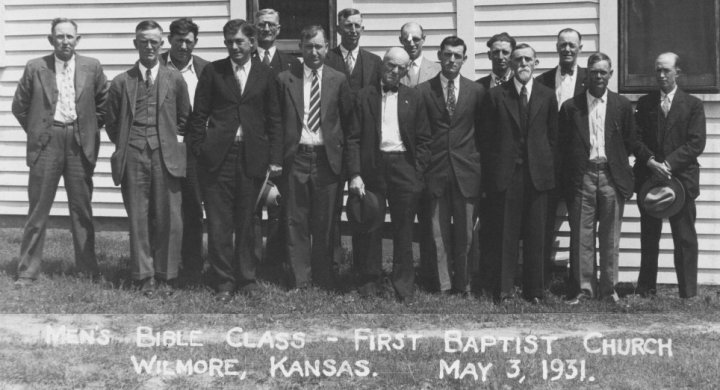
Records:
x=535, y=103
x=375, y=104
x=463, y=96
x=512, y=100
x=610, y=115
x=80, y=73
x=403, y=116
x=252, y=79
x=436, y=87
x=47, y=78
x=230, y=82
x=164, y=84
x=675, y=108
x=131, y=83
x=296, y=95
x=583, y=119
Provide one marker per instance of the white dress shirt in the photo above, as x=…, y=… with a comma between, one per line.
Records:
x=564, y=85
x=153, y=71
x=669, y=96
x=390, y=128
x=241, y=74
x=65, y=85
x=261, y=52
x=596, y=118
x=355, y=53
x=307, y=137
x=189, y=75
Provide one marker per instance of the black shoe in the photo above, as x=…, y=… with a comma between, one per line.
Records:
x=250, y=290
x=146, y=286
x=223, y=296
x=367, y=290
x=22, y=283
x=645, y=292
x=584, y=295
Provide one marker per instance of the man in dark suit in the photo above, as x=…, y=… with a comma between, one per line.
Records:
x=267, y=21
x=597, y=134
x=452, y=177
x=315, y=110
x=567, y=80
x=236, y=136
x=183, y=38
x=522, y=118
x=60, y=103
x=500, y=47
x=671, y=125
x=148, y=107
x=420, y=69
x=388, y=152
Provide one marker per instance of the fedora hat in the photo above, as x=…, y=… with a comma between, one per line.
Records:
x=269, y=194
x=662, y=198
x=365, y=214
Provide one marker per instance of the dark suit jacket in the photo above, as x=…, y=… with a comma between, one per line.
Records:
x=220, y=109
x=548, y=79
x=172, y=113
x=502, y=121
x=454, y=149
x=367, y=69
x=620, y=141
x=679, y=144
x=335, y=109
x=281, y=62
x=36, y=97
x=365, y=136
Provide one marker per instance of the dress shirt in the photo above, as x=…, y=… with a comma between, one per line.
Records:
x=528, y=87
x=65, y=114
x=355, y=53
x=414, y=70
x=153, y=71
x=307, y=137
x=444, y=83
x=241, y=74
x=596, y=117
x=389, y=127
x=564, y=85
x=670, y=96
x=261, y=52
x=496, y=80
x=189, y=75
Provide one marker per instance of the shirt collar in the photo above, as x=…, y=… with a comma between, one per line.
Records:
x=355, y=52
x=187, y=67
x=245, y=66
x=519, y=85
x=308, y=72
x=670, y=95
x=591, y=98
x=418, y=61
x=153, y=70
x=495, y=78
x=444, y=80
x=261, y=52
x=71, y=61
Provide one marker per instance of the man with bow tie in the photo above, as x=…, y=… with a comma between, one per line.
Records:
x=500, y=47
x=60, y=103
x=671, y=125
x=388, y=152
x=452, y=177
x=148, y=107
x=236, y=136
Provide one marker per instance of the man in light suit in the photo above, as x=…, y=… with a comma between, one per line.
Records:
x=567, y=80
x=671, y=126
x=148, y=107
x=388, y=152
x=420, y=69
x=452, y=177
x=182, y=39
x=522, y=119
x=236, y=136
x=501, y=46
x=267, y=21
x=60, y=103
x=315, y=106
x=597, y=134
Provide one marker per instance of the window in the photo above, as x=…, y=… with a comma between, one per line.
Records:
x=296, y=14
x=687, y=28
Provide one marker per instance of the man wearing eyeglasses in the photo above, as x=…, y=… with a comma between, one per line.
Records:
x=236, y=136
x=267, y=22
x=420, y=69
x=452, y=178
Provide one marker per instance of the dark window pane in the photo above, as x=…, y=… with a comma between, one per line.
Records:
x=296, y=14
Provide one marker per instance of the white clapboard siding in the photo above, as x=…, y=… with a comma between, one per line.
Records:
x=107, y=29
x=535, y=23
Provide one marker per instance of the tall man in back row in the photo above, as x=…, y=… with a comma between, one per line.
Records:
x=671, y=126
x=60, y=103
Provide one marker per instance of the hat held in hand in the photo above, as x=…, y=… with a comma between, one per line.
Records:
x=365, y=214
x=662, y=198
x=269, y=194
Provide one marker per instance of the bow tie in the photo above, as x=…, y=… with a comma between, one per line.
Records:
x=389, y=88
x=567, y=72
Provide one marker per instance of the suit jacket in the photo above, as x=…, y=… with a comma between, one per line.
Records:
x=548, y=79
x=172, y=113
x=454, y=151
x=502, y=121
x=367, y=69
x=620, y=141
x=428, y=70
x=335, y=110
x=36, y=98
x=679, y=143
x=281, y=62
x=220, y=109
x=366, y=132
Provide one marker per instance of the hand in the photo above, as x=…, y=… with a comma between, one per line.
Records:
x=660, y=170
x=275, y=170
x=357, y=186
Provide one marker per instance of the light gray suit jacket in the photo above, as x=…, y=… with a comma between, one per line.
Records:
x=428, y=70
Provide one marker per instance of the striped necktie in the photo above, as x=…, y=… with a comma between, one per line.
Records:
x=314, y=115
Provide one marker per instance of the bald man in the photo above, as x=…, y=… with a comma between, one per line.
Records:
x=388, y=151
x=420, y=69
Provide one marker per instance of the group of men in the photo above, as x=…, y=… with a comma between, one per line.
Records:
x=483, y=165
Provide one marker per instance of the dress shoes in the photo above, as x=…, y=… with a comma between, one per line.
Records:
x=146, y=286
x=584, y=295
x=22, y=283
x=223, y=296
x=249, y=290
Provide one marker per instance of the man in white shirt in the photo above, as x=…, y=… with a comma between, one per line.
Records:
x=420, y=69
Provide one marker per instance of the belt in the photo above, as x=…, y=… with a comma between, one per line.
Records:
x=311, y=148
x=598, y=165
x=61, y=124
x=394, y=152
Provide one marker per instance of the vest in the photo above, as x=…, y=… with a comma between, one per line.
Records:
x=144, y=128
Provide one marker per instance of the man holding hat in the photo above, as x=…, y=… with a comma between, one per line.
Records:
x=671, y=125
x=388, y=151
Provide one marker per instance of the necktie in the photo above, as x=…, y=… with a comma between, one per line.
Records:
x=148, y=78
x=349, y=62
x=67, y=94
x=314, y=115
x=451, y=97
x=665, y=105
x=413, y=74
x=266, y=58
x=523, y=105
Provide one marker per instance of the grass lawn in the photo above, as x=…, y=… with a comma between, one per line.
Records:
x=327, y=322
